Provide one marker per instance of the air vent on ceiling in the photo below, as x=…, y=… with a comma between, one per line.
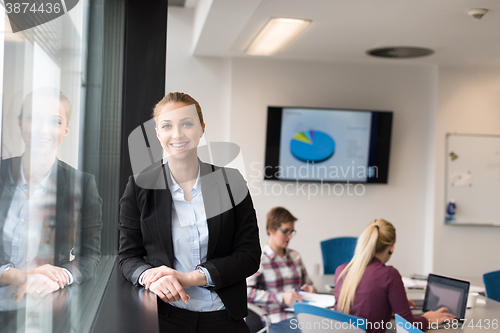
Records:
x=400, y=52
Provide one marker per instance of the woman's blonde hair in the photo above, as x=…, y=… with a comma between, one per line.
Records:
x=376, y=238
x=181, y=98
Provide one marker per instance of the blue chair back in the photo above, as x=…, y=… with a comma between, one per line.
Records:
x=337, y=251
x=311, y=319
x=492, y=284
x=404, y=326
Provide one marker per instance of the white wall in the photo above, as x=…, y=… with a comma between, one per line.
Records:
x=206, y=79
x=469, y=102
x=427, y=103
x=259, y=82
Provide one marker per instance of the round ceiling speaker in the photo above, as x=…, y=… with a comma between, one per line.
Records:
x=400, y=52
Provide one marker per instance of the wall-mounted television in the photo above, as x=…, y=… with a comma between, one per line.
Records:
x=327, y=145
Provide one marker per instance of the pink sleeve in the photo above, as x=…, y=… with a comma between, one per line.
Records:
x=399, y=302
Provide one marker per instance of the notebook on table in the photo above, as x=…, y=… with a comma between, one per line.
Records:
x=444, y=291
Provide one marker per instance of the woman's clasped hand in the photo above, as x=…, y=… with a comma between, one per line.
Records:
x=167, y=283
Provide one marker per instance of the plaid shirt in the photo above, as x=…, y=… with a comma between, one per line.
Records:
x=276, y=275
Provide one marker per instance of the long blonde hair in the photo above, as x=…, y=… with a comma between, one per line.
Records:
x=376, y=238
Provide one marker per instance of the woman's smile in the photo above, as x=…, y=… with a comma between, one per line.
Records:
x=178, y=129
x=179, y=146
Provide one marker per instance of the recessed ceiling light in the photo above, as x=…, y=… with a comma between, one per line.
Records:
x=477, y=13
x=275, y=35
x=400, y=52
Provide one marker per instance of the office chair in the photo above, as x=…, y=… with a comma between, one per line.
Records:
x=257, y=319
x=311, y=319
x=404, y=326
x=492, y=285
x=337, y=251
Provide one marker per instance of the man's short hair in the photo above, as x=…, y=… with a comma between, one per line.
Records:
x=277, y=216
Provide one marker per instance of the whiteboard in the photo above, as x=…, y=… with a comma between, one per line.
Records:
x=473, y=178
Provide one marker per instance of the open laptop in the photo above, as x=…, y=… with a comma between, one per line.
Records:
x=443, y=291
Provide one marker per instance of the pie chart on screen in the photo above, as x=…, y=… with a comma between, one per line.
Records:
x=312, y=146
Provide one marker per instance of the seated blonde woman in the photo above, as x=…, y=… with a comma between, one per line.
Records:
x=367, y=288
x=281, y=273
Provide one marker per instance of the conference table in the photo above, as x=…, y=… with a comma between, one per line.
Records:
x=483, y=316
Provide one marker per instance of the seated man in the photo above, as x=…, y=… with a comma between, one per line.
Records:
x=281, y=274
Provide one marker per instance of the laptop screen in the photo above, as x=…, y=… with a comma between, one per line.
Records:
x=448, y=292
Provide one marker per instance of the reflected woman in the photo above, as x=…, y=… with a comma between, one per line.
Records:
x=188, y=229
x=50, y=221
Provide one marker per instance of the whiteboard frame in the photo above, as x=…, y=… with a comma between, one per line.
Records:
x=446, y=180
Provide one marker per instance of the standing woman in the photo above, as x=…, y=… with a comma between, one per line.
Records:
x=367, y=288
x=191, y=237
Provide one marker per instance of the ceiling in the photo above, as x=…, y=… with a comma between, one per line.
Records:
x=177, y=3
x=343, y=30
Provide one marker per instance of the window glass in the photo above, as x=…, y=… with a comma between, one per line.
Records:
x=50, y=209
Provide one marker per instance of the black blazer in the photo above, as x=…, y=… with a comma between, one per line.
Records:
x=76, y=219
x=233, y=245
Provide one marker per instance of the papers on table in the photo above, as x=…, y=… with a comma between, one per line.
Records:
x=414, y=284
x=477, y=289
x=321, y=300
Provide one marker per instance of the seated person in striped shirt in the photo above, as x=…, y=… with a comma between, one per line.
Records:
x=281, y=273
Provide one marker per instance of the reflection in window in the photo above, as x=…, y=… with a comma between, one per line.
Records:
x=50, y=211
